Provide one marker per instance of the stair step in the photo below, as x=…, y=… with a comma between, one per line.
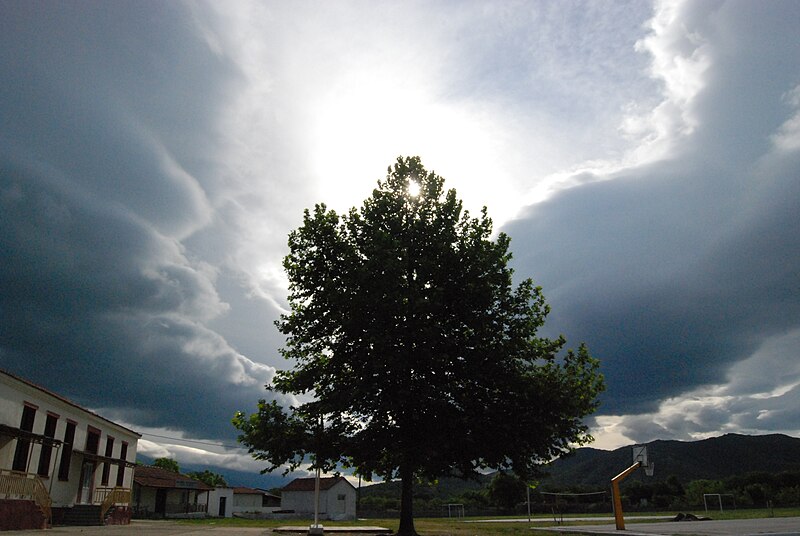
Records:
x=82, y=515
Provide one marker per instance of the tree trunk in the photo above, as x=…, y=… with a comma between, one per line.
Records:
x=406, y=503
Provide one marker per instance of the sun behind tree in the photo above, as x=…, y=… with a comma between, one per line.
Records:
x=421, y=355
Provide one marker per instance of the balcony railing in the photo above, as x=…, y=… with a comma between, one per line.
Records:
x=108, y=497
x=117, y=495
x=188, y=508
x=169, y=510
x=26, y=486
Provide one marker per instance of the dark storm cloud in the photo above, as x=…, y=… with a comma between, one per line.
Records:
x=154, y=156
x=108, y=114
x=674, y=271
x=98, y=305
x=114, y=96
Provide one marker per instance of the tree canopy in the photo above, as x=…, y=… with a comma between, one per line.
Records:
x=416, y=354
x=507, y=490
x=215, y=480
x=167, y=463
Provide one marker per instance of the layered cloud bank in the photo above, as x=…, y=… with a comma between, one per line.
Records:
x=682, y=273
x=644, y=159
x=109, y=134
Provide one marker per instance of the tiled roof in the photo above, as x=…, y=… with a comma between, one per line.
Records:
x=65, y=400
x=248, y=491
x=307, y=484
x=155, y=477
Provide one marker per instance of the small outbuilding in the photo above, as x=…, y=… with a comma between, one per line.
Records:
x=160, y=493
x=220, y=502
x=253, y=500
x=337, y=498
x=241, y=501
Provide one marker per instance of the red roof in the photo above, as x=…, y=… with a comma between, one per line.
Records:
x=307, y=484
x=248, y=491
x=148, y=476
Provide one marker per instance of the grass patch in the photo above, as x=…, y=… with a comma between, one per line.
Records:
x=424, y=526
x=452, y=527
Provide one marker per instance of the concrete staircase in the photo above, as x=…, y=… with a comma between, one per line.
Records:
x=83, y=515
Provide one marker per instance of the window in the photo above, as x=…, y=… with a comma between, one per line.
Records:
x=106, y=465
x=20, y=462
x=92, y=440
x=341, y=496
x=47, y=450
x=66, y=452
x=123, y=455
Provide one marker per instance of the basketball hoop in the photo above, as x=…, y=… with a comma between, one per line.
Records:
x=640, y=455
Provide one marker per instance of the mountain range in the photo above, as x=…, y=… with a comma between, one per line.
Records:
x=590, y=468
x=714, y=458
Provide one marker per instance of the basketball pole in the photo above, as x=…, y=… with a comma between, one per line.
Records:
x=618, y=518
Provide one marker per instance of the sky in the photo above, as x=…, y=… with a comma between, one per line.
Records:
x=644, y=158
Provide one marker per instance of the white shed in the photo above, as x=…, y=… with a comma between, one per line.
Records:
x=337, y=497
x=220, y=502
x=254, y=501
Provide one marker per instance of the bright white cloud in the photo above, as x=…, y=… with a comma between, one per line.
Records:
x=787, y=138
x=760, y=394
x=679, y=270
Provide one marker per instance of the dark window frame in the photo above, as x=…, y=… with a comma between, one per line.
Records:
x=107, y=466
x=93, y=439
x=46, y=454
x=22, y=452
x=66, y=451
x=123, y=455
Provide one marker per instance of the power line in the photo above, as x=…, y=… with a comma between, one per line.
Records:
x=193, y=441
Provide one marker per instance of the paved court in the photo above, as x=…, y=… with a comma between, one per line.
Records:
x=784, y=526
x=147, y=528
x=776, y=526
x=163, y=528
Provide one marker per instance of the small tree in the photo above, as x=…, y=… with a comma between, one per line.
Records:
x=214, y=480
x=507, y=490
x=697, y=488
x=167, y=463
x=417, y=356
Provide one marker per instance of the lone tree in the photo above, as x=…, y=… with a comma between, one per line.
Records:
x=416, y=354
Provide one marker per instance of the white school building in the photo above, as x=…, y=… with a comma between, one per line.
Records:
x=60, y=463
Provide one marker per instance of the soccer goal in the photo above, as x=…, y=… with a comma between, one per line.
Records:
x=719, y=497
x=455, y=510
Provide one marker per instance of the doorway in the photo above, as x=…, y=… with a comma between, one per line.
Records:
x=222, y=501
x=161, y=501
x=87, y=483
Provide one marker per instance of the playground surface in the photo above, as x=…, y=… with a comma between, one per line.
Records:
x=168, y=528
x=784, y=526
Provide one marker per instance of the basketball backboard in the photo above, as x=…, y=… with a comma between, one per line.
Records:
x=640, y=455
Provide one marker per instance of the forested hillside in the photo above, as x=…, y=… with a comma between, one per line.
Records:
x=677, y=464
x=715, y=458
